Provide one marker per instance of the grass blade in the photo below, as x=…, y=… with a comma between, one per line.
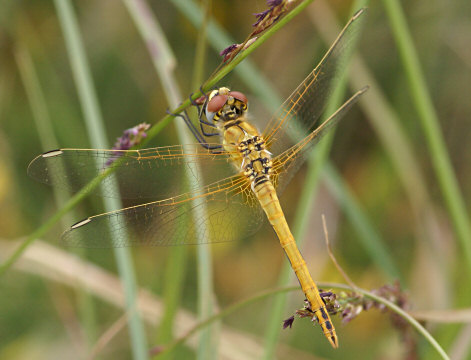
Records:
x=48, y=140
x=164, y=65
x=96, y=131
x=431, y=128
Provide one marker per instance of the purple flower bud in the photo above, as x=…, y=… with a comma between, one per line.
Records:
x=274, y=3
x=288, y=322
x=260, y=16
x=228, y=50
x=131, y=137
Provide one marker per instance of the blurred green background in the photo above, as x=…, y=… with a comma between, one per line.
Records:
x=55, y=306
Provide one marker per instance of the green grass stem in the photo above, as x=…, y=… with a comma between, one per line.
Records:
x=218, y=38
x=96, y=133
x=206, y=304
x=43, y=122
x=164, y=64
x=201, y=46
x=431, y=127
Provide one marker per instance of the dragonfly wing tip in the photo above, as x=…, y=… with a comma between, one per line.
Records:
x=52, y=153
x=80, y=223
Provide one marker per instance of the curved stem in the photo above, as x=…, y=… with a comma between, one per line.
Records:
x=265, y=294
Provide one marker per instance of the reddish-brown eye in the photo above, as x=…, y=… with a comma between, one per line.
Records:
x=216, y=103
x=239, y=96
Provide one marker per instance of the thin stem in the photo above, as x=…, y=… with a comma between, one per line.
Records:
x=43, y=123
x=96, y=133
x=164, y=64
x=431, y=128
x=208, y=338
x=269, y=293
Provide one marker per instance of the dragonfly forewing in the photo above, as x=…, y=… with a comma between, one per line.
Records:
x=300, y=113
x=141, y=174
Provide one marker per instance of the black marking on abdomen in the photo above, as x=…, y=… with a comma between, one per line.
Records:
x=334, y=340
x=260, y=180
x=324, y=314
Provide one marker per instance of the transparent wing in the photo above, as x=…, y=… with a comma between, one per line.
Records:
x=288, y=163
x=232, y=212
x=299, y=114
x=154, y=173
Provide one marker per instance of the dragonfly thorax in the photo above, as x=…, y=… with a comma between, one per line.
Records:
x=256, y=160
x=248, y=149
x=227, y=110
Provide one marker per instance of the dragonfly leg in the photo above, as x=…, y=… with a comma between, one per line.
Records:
x=206, y=133
x=199, y=101
x=195, y=131
x=190, y=125
x=202, y=122
x=212, y=126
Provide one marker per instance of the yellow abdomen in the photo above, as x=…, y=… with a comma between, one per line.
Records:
x=266, y=194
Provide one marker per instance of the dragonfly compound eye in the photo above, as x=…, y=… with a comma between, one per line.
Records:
x=239, y=96
x=216, y=103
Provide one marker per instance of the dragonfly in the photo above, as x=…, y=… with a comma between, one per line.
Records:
x=244, y=173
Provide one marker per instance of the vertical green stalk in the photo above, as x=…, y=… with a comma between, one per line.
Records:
x=201, y=45
x=96, y=133
x=164, y=64
x=431, y=128
x=48, y=141
x=207, y=344
x=174, y=278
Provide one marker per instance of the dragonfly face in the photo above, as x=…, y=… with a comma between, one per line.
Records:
x=223, y=106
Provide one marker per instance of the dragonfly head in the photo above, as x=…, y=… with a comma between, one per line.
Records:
x=225, y=105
